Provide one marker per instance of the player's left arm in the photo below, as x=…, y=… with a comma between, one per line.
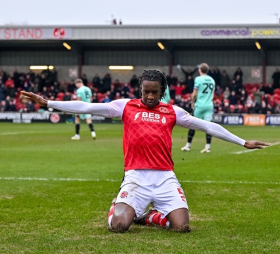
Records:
x=186, y=120
x=255, y=144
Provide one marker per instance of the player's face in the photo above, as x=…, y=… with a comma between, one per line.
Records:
x=151, y=93
x=78, y=85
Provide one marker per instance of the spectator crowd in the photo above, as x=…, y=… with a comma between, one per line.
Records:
x=232, y=94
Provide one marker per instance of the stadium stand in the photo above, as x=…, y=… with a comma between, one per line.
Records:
x=229, y=98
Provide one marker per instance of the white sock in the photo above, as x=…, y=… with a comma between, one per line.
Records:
x=167, y=224
x=188, y=145
x=151, y=218
x=110, y=220
x=207, y=146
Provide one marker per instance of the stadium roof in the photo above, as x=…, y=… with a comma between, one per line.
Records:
x=132, y=37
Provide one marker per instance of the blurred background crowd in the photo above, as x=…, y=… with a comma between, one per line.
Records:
x=232, y=93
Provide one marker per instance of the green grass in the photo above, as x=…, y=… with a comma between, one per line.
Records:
x=233, y=198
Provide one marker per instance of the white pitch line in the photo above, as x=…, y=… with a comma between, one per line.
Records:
x=230, y=182
x=57, y=179
x=30, y=132
x=253, y=150
x=119, y=180
x=19, y=132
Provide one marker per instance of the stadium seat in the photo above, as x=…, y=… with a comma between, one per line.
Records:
x=256, y=85
x=268, y=96
x=277, y=91
x=187, y=96
x=249, y=88
x=60, y=96
x=100, y=96
x=276, y=98
x=37, y=107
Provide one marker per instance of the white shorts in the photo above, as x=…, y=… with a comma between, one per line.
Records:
x=161, y=188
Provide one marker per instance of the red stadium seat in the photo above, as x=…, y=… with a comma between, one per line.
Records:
x=187, y=96
x=256, y=85
x=277, y=91
x=249, y=88
x=276, y=98
x=60, y=96
x=100, y=96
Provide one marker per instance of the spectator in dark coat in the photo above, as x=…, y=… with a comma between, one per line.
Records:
x=224, y=79
x=134, y=81
x=276, y=79
x=190, y=84
x=96, y=82
x=3, y=92
x=232, y=98
x=187, y=73
x=239, y=73
x=106, y=83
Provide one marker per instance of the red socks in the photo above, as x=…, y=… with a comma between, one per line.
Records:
x=155, y=218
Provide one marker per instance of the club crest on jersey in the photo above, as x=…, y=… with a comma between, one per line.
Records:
x=150, y=117
x=163, y=110
x=124, y=194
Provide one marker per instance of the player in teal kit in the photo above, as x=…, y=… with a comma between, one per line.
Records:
x=202, y=103
x=83, y=94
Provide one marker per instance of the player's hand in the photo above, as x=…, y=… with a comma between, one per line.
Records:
x=34, y=97
x=254, y=144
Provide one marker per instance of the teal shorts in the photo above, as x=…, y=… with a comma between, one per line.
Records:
x=204, y=113
x=85, y=116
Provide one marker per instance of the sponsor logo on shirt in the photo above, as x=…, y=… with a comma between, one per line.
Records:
x=137, y=115
x=150, y=117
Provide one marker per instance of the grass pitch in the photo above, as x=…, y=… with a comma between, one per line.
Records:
x=55, y=193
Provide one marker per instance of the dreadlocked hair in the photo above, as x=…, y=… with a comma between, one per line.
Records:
x=154, y=75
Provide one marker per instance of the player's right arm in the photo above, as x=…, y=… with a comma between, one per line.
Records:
x=195, y=91
x=194, y=97
x=111, y=109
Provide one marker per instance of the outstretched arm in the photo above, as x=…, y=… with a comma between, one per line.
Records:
x=220, y=132
x=216, y=130
x=255, y=144
x=112, y=109
x=36, y=98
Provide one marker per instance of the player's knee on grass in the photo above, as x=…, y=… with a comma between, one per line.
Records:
x=122, y=218
x=119, y=227
x=179, y=220
x=182, y=229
